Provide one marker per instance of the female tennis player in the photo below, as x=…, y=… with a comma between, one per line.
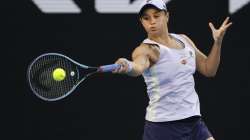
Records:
x=167, y=62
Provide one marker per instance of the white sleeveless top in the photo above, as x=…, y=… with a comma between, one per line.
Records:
x=170, y=83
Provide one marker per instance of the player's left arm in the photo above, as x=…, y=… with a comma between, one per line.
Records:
x=208, y=65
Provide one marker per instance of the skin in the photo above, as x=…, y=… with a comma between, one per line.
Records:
x=155, y=23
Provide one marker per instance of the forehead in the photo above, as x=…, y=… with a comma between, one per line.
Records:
x=151, y=11
x=148, y=8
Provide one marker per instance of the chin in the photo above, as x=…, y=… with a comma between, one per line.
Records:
x=154, y=33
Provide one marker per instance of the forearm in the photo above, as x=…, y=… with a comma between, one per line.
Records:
x=213, y=59
x=140, y=62
x=132, y=68
x=136, y=70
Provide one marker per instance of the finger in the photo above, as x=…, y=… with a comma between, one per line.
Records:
x=228, y=25
x=115, y=71
x=124, y=67
x=122, y=70
x=119, y=61
x=225, y=21
x=211, y=26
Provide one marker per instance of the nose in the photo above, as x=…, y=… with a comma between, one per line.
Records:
x=152, y=21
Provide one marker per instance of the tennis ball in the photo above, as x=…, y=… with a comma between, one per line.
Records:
x=59, y=74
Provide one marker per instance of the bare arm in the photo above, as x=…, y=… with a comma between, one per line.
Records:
x=140, y=62
x=208, y=65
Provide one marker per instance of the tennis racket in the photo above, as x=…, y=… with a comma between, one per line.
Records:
x=42, y=80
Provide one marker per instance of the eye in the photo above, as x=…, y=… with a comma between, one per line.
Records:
x=145, y=18
x=156, y=16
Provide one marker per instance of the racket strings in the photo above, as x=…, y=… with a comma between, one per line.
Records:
x=41, y=76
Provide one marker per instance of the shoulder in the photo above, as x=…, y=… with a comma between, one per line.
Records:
x=184, y=36
x=151, y=51
x=142, y=49
x=188, y=39
x=145, y=47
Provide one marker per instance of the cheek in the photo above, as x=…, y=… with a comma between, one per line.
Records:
x=162, y=22
x=145, y=25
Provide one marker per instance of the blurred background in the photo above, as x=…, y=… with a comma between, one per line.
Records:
x=97, y=32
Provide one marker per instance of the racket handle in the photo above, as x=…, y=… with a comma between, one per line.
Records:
x=109, y=68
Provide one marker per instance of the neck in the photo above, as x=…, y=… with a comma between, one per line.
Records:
x=163, y=38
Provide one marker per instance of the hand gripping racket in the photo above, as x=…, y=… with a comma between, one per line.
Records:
x=44, y=70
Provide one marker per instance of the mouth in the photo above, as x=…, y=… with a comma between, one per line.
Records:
x=153, y=29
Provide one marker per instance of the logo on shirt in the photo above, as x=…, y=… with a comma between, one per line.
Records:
x=184, y=60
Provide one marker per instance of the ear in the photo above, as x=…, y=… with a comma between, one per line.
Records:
x=167, y=16
x=140, y=19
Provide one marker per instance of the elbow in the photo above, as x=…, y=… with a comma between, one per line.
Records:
x=210, y=74
x=136, y=72
x=133, y=74
x=139, y=72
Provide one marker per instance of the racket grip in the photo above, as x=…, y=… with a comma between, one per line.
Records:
x=109, y=68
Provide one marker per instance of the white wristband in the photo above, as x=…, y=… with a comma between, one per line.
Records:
x=130, y=66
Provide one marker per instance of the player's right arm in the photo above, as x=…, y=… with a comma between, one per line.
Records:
x=141, y=60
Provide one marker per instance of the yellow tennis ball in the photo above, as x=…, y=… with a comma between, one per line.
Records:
x=59, y=74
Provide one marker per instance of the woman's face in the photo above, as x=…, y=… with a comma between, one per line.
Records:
x=154, y=21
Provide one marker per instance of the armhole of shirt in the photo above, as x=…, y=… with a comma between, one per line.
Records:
x=154, y=45
x=182, y=36
x=179, y=39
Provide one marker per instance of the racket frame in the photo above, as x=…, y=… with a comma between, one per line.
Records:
x=78, y=77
